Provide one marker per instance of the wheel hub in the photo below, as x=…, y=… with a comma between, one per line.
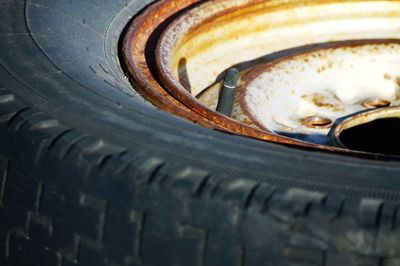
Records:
x=304, y=65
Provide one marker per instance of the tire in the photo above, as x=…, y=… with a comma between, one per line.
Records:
x=91, y=174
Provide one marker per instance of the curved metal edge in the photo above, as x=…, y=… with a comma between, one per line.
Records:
x=180, y=102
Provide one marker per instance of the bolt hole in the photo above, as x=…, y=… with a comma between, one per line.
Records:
x=375, y=103
x=378, y=136
x=317, y=122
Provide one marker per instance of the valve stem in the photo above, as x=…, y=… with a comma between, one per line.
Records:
x=227, y=92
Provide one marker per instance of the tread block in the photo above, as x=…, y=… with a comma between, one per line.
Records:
x=295, y=202
x=9, y=111
x=22, y=117
x=396, y=218
x=78, y=222
x=84, y=148
x=114, y=165
x=237, y=191
x=388, y=215
x=189, y=180
x=331, y=209
x=119, y=225
x=39, y=223
x=21, y=190
x=42, y=124
x=5, y=117
x=90, y=153
x=40, y=228
x=223, y=248
x=61, y=145
x=262, y=196
x=62, y=205
x=24, y=249
x=93, y=211
x=13, y=220
x=5, y=98
x=145, y=170
x=36, y=136
x=89, y=255
x=136, y=218
x=68, y=206
x=200, y=236
x=174, y=243
x=369, y=212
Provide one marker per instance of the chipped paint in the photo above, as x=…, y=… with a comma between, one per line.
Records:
x=329, y=83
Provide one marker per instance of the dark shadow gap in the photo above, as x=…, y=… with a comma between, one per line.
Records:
x=379, y=136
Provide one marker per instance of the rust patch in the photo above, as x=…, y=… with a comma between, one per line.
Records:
x=321, y=100
x=375, y=103
x=387, y=76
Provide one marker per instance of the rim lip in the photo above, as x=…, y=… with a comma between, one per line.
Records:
x=173, y=98
x=139, y=74
x=364, y=117
x=182, y=95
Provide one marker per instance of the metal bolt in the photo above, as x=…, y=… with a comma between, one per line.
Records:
x=227, y=92
x=375, y=103
x=317, y=122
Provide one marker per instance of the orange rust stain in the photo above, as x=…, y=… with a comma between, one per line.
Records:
x=321, y=69
x=237, y=15
x=320, y=100
x=398, y=81
x=387, y=76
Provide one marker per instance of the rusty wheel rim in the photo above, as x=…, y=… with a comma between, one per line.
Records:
x=156, y=83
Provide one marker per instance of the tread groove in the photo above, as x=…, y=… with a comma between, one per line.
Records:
x=3, y=180
x=201, y=236
x=12, y=116
x=266, y=203
x=38, y=197
x=25, y=121
x=57, y=138
x=123, y=165
x=72, y=145
x=242, y=257
x=249, y=197
x=138, y=218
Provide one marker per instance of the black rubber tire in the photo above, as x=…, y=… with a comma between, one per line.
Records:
x=90, y=174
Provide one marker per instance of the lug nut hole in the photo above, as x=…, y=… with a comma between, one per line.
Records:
x=377, y=136
x=375, y=103
x=317, y=122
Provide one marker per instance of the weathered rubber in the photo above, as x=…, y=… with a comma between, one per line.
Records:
x=90, y=174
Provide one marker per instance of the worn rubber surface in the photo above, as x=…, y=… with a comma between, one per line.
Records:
x=90, y=174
